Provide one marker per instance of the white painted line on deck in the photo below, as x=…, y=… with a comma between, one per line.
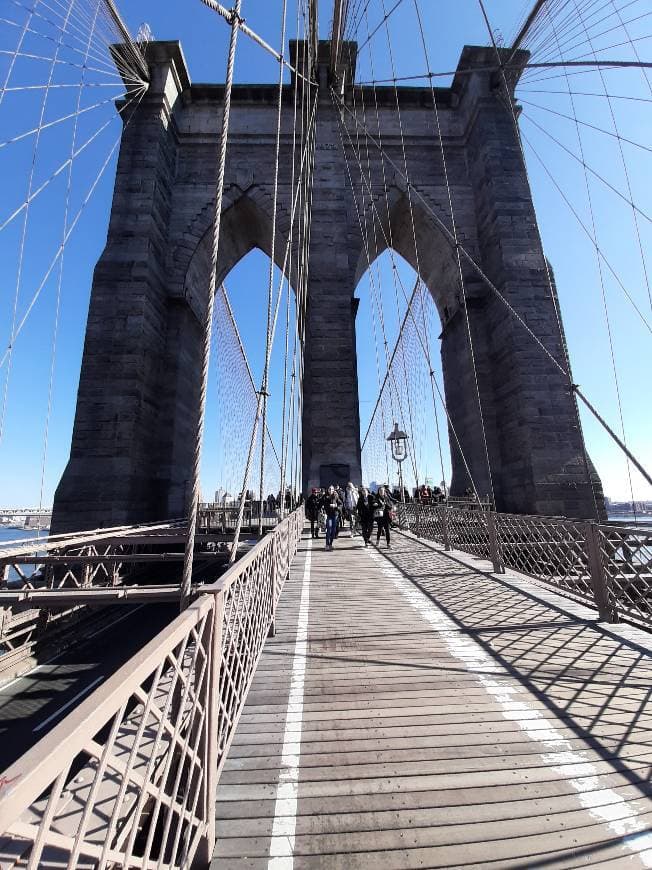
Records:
x=69, y=703
x=285, y=809
x=604, y=804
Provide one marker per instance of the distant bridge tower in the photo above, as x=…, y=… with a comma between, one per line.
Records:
x=132, y=443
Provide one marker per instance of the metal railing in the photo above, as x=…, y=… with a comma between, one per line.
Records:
x=129, y=777
x=605, y=565
x=224, y=515
x=101, y=558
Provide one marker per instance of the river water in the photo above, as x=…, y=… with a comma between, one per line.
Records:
x=14, y=535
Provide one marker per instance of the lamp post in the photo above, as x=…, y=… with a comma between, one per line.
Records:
x=398, y=443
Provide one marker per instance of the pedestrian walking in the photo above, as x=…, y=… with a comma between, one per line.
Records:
x=332, y=504
x=312, y=511
x=340, y=515
x=351, y=506
x=382, y=511
x=365, y=510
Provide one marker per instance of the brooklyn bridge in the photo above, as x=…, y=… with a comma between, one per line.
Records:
x=461, y=676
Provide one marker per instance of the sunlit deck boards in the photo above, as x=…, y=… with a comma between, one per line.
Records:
x=449, y=719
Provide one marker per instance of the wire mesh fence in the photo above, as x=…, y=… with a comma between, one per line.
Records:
x=606, y=566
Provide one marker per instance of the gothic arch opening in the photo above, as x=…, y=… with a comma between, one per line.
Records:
x=246, y=224
x=405, y=232
x=385, y=334
x=235, y=376
x=403, y=224
x=245, y=239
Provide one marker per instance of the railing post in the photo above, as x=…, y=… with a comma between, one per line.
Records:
x=494, y=548
x=417, y=523
x=272, y=576
x=210, y=756
x=606, y=609
x=444, y=526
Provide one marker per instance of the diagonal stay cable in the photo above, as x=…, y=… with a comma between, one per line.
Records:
x=230, y=15
x=136, y=98
x=589, y=168
x=416, y=326
x=23, y=234
x=477, y=268
x=573, y=386
x=588, y=233
x=631, y=98
x=243, y=353
x=62, y=118
x=603, y=289
x=586, y=124
x=374, y=31
x=55, y=329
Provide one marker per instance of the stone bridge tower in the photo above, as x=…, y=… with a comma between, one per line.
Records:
x=131, y=450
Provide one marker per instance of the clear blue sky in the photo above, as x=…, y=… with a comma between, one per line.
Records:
x=203, y=36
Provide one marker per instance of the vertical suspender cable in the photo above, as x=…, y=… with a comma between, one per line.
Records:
x=66, y=212
x=270, y=290
x=208, y=317
x=284, y=427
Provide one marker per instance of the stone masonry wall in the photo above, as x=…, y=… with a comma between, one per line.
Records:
x=132, y=445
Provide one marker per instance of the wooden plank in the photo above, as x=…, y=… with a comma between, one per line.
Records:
x=503, y=731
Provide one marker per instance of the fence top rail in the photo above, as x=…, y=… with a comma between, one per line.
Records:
x=231, y=575
x=32, y=773
x=27, y=546
x=71, y=596
x=612, y=527
x=623, y=529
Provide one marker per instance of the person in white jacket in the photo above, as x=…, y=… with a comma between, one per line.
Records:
x=351, y=506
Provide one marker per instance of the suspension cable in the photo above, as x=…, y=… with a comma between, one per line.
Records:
x=186, y=580
x=264, y=389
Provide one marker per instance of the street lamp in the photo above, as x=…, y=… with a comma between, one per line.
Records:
x=398, y=443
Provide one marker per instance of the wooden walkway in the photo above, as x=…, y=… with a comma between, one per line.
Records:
x=414, y=711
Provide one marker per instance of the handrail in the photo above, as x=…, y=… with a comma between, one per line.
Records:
x=26, y=778
x=111, y=781
x=605, y=565
x=235, y=570
x=71, y=539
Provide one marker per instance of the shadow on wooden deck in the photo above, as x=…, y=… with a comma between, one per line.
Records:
x=440, y=717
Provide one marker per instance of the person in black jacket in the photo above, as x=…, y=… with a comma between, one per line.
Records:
x=382, y=508
x=332, y=504
x=312, y=512
x=365, y=509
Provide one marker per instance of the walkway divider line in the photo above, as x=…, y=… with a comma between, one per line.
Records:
x=603, y=803
x=285, y=809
